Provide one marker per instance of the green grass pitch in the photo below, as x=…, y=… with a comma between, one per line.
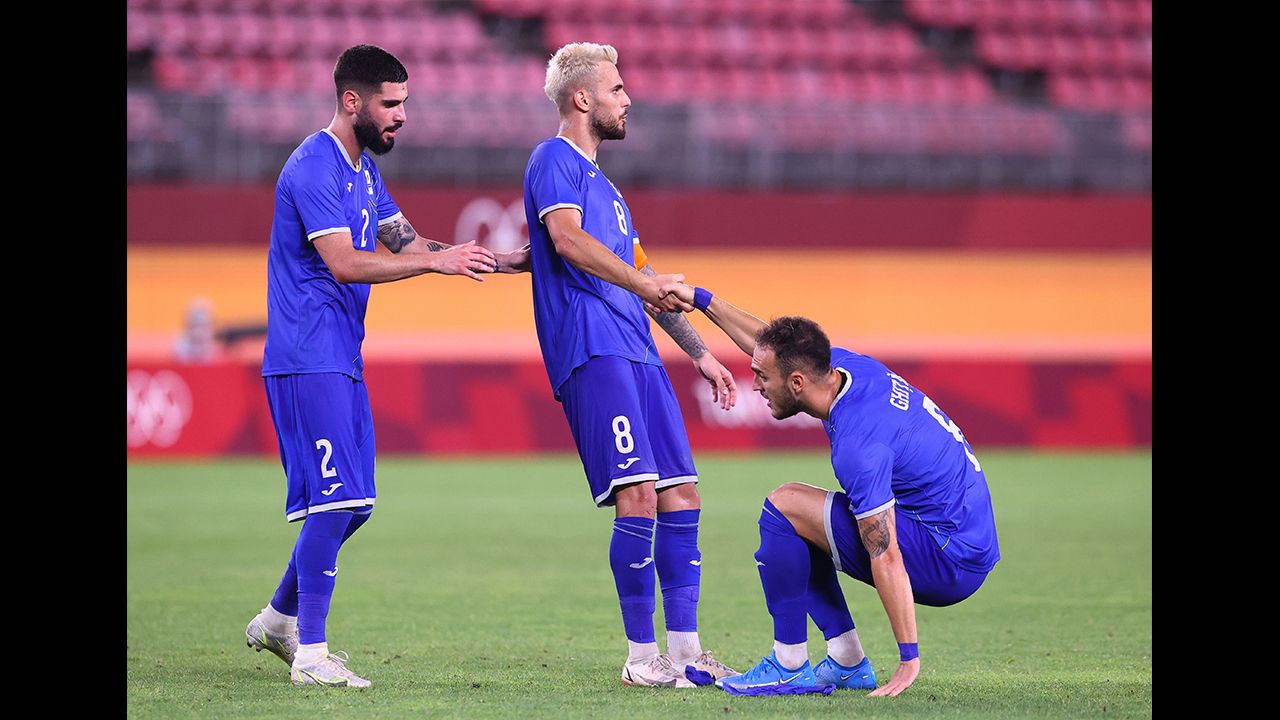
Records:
x=481, y=588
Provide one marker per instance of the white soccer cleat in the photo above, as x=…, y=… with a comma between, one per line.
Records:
x=705, y=669
x=260, y=638
x=657, y=671
x=330, y=671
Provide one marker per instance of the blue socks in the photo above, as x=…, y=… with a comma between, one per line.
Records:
x=826, y=603
x=285, y=600
x=306, y=589
x=316, y=558
x=631, y=558
x=783, y=563
x=639, y=547
x=675, y=552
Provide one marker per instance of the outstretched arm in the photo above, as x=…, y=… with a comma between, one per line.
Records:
x=741, y=326
x=349, y=265
x=586, y=253
x=398, y=236
x=724, y=390
x=880, y=537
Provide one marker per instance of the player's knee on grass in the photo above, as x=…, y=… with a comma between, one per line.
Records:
x=636, y=500
x=802, y=505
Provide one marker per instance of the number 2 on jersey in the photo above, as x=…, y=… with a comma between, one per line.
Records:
x=952, y=428
x=325, y=470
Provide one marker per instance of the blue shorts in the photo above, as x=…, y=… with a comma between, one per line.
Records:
x=627, y=425
x=936, y=580
x=325, y=430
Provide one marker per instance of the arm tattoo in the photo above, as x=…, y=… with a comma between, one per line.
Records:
x=677, y=326
x=876, y=533
x=396, y=234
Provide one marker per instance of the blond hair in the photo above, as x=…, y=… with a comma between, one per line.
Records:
x=574, y=65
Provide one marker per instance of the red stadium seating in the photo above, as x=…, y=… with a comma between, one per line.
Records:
x=777, y=55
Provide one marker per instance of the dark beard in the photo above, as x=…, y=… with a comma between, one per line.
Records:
x=607, y=129
x=370, y=137
x=785, y=408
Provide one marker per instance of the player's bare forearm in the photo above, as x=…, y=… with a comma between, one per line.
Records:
x=879, y=537
x=677, y=325
x=894, y=587
x=350, y=265
x=589, y=255
x=741, y=326
x=399, y=236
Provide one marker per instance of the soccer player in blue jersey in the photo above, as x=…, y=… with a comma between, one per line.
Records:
x=336, y=230
x=914, y=519
x=592, y=285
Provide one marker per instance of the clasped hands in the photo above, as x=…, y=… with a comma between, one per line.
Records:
x=670, y=294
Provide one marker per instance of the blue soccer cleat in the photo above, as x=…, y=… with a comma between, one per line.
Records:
x=859, y=677
x=770, y=678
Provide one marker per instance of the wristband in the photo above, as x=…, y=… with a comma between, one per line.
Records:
x=701, y=298
x=908, y=651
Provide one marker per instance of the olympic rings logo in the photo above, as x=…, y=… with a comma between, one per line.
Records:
x=159, y=406
x=505, y=226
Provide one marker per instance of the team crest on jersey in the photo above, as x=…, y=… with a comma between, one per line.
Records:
x=368, y=179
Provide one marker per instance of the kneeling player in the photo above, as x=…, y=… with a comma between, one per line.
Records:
x=914, y=519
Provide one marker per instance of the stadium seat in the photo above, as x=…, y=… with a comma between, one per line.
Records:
x=1135, y=92
x=1067, y=90
x=974, y=89
x=142, y=118
x=247, y=35
x=761, y=53
x=1136, y=131
x=994, y=48
x=141, y=29
x=1063, y=53
x=1128, y=15
x=1031, y=15
x=1137, y=51
x=1102, y=93
x=1030, y=51
x=992, y=15
x=904, y=48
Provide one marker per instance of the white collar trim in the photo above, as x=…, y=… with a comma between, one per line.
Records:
x=848, y=383
x=343, y=149
x=580, y=152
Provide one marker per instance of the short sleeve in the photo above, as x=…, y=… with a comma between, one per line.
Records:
x=866, y=474
x=317, y=198
x=554, y=178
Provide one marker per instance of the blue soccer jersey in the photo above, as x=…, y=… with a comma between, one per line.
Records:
x=315, y=323
x=579, y=316
x=893, y=446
